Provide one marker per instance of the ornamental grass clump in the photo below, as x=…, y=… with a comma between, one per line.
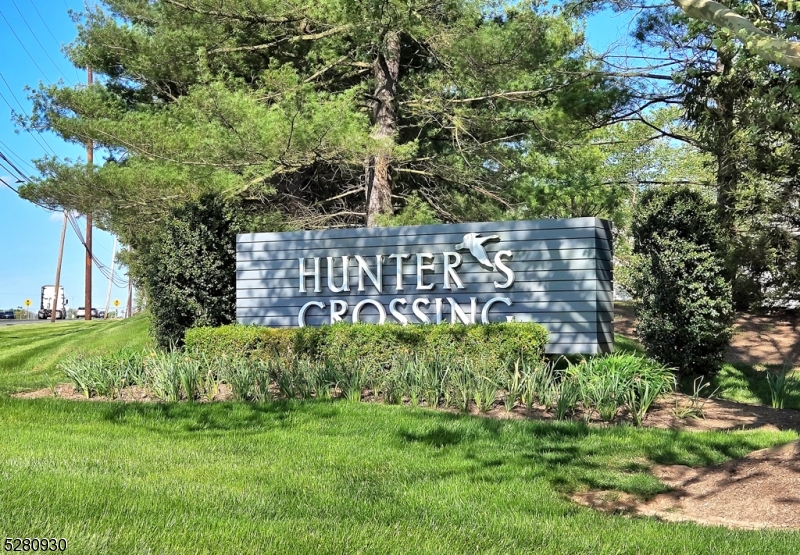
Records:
x=163, y=375
x=781, y=386
x=241, y=376
x=486, y=379
x=513, y=387
x=616, y=381
x=567, y=393
x=98, y=375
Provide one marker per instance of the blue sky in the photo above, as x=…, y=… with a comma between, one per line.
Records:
x=29, y=235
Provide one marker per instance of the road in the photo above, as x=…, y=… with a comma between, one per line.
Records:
x=34, y=321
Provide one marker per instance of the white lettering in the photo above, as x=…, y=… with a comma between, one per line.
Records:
x=438, y=311
x=498, y=263
x=421, y=267
x=304, y=273
x=488, y=305
x=301, y=317
x=423, y=318
x=338, y=309
x=456, y=311
x=450, y=269
x=400, y=258
x=396, y=313
x=377, y=280
x=345, y=275
x=376, y=304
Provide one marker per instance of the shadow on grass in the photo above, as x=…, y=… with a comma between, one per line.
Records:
x=743, y=383
x=568, y=455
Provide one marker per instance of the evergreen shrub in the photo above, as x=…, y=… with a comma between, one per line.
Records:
x=684, y=301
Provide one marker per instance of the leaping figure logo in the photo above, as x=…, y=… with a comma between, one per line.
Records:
x=474, y=242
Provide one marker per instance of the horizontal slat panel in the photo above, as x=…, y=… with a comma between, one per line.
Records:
x=421, y=241
x=571, y=223
x=254, y=288
x=372, y=246
x=409, y=266
x=257, y=261
x=563, y=275
x=254, y=316
x=255, y=300
x=568, y=348
x=251, y=288
x=521, y=302
x=289, y=278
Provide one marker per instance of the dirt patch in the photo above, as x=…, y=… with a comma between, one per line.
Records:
x=131, y=394
x=759, y=491
x=757, y=339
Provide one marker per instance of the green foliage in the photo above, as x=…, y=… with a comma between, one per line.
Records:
x=188, y=271
x=741, y=110
x=415, y=212
x=377, y=346
x=190, y=101
x=780, y=387
x=684, y=301
x=610, y=382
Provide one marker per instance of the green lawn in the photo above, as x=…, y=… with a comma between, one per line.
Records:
x=339, y=477
x=744, y=383
x=30, y=353
x=327, y=477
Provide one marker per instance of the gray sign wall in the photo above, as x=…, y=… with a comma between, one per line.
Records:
x=555, y=272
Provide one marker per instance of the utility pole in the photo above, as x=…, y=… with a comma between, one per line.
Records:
x=88, y=289
x=111, y=279
x=58, y=272
x=129, y=307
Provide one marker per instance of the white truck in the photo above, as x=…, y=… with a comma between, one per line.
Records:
x=46, y=310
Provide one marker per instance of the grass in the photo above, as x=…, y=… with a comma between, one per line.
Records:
x=743, y=383
x=748, y=384
x=29, y=353
x=337, y=477
x=327, y=477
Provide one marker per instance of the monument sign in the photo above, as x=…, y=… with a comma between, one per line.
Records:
x=554, y=272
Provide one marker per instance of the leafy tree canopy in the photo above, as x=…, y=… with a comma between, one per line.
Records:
x=328, y=113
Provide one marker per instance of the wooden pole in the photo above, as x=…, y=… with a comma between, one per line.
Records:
x=58, y=272
x=129, y=307
x=111, y=279
x=87, y=301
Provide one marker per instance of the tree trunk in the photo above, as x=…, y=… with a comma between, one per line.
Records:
x=386, y=69
x=728, y=175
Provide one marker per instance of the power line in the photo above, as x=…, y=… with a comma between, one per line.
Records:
x=3, y=181
x=12, y=111
x=17, y=156
x=23, y=47
x=46, y=26
x=10, y=163
x=25, y=21
x=24, y=112
x=104, y=269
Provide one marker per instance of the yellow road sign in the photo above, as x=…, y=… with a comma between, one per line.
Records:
x=27, y=302
x=116, y=302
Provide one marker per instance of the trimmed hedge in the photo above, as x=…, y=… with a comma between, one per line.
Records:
x=375, y=345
